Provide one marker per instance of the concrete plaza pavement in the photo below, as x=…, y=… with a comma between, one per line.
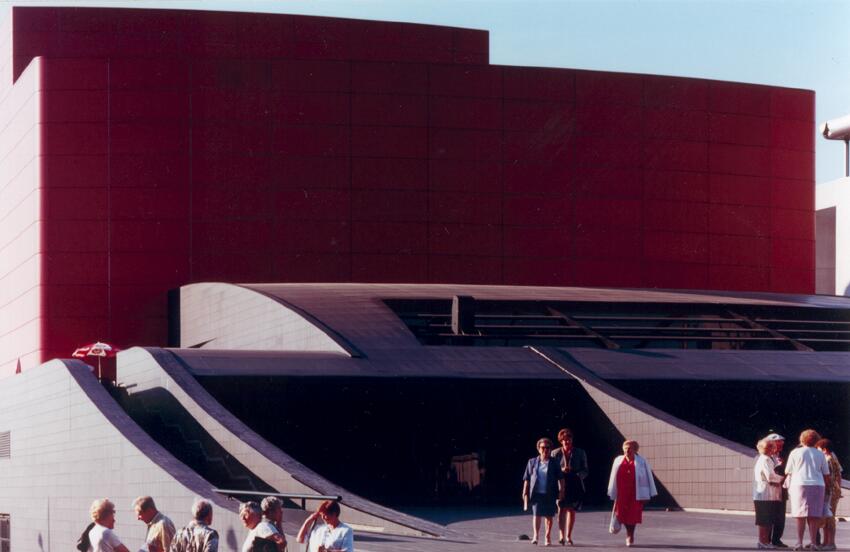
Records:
x=497, y=531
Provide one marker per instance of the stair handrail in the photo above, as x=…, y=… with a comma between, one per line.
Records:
x=303, y=497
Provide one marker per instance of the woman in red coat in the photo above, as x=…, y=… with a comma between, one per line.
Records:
x=630, y=485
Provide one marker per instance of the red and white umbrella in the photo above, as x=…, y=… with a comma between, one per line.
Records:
x=98, y=349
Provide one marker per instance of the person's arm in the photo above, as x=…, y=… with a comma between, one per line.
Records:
x=612, y=479
x=526, y=477
x=279, y=539
x=211, y=545
x=768, y=471
x=307, y=527
x=789, y=465
x=652, y=490
x=561, y=489
x=582, y=470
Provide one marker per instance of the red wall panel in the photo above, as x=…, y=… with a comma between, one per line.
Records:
x=389, y=109
x=676, y=92
x=676, y=185
x=608, y=88
x=389, y=173
x=464, y=239
x=539, y=84
x=729, y=97
x=480, y=270
x=481, y=81
x=542, y=272
x=312, y=236
x=675, y=124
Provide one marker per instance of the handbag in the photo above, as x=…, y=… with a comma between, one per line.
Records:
x=614, y=526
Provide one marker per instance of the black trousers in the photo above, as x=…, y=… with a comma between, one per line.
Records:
x=779, y=528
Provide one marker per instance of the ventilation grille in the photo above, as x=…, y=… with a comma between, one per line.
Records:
x=5, y=444
x=5, y=537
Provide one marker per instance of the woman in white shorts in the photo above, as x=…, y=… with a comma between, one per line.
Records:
x=808, y=471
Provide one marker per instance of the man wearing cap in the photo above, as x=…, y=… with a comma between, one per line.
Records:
x=778, y=528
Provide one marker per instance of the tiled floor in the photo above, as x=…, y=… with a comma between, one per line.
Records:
x=497, y=531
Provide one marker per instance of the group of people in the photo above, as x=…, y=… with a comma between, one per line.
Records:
x=553, y=482
x=262, y=520
x=810, y=478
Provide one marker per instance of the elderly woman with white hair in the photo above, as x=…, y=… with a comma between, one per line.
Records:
x=767, y=492
x=102, y=538
x=630, y=485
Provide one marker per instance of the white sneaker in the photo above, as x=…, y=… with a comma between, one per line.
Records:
x=763, y=546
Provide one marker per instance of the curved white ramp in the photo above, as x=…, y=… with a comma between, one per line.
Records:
x=71, y=443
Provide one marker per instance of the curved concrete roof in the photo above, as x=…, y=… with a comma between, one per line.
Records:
x=355, y=320
x=226, y=316
x=364, y=337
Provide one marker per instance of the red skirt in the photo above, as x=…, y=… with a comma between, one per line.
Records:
x=628, y=509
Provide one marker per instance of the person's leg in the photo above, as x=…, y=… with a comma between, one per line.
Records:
x=630, y=534
x=829, y=533
x=764, y=533
x=812, y=522
x=548, y=530
x=571, y=521
x=829, y=530
x=562, y=522
x=801, y=529
x=829, y=523
x=535, y=523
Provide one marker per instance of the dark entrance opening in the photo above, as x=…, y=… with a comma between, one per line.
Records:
x=422, y=441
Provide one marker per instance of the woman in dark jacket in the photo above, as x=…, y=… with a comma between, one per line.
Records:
x=573, y=462
x=542, y=486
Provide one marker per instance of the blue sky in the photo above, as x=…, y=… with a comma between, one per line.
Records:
x=795, y=43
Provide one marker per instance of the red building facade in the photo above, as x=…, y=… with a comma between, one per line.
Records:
x=146, y=149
